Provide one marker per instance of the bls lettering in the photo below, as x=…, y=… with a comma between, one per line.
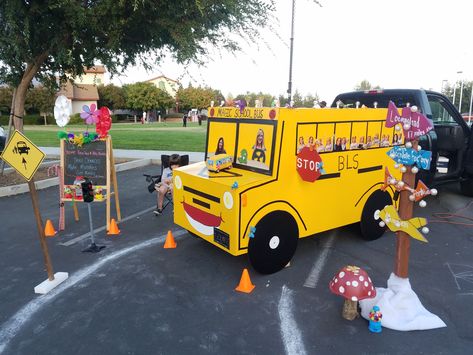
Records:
x=345, y=162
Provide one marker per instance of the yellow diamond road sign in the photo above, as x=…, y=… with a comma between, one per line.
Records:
x=23, y=155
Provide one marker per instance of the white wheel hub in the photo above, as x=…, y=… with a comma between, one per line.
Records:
x=274, y=242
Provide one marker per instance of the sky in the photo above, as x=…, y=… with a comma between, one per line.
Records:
x=390, y=43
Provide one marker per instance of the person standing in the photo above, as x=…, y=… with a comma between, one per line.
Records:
x=143, y=119
x=184, y=120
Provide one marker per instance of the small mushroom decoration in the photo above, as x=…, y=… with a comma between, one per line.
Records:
x=354, y=284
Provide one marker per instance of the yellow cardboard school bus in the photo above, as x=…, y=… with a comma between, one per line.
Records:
x=296, y=172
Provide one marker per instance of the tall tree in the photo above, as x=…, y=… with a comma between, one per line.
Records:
x=365, y=85
x=198, y=97
x=146, y=96
x=298, y=100
x=309, y=100
x=464, y=92
x=39, y=39
x=6, y=94
x=40, y=99
x=111, y=96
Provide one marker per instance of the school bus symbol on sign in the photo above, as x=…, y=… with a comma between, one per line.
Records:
x=23, y=155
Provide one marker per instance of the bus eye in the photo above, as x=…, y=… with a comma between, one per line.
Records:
x=228, y=200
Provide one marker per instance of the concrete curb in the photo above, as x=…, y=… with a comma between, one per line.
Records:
x=43, y=184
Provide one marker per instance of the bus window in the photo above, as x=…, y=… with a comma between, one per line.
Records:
x=221, y=138
x=358, y=135
x=325, y=137
x=256, y=146
x=306, y=134
x=342, y=136
x=374, y=134
x=387, y=135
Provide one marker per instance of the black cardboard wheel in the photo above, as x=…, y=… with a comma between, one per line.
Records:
x=370, y=229
x=274, y=242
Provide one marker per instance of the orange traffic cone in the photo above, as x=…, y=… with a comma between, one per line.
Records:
x=49, y=229
x=113, y=230
x=245, y=283
x=170, y=243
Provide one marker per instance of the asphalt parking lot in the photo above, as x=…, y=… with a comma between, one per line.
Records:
x=134, y=297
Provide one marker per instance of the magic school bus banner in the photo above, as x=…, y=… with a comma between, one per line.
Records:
x=263, y=204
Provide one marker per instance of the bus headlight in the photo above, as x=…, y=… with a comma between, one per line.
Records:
x=228, y=200
x=178, y=182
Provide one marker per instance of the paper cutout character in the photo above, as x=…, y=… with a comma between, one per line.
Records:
x=243, y=158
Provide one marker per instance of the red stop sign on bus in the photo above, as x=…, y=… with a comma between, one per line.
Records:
x=309, y=164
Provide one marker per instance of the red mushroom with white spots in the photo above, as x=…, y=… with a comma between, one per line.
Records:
x=354, y=284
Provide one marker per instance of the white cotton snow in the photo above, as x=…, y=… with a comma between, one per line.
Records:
x=400, y=307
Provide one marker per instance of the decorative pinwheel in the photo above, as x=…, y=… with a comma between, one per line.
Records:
x=90, y=115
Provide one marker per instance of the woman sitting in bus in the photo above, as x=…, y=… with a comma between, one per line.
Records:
x=344, y=143
x=397, y=139
x=301, y=144
x=361, y=144
x=338, y=145
x=319, y=146
x=329, y=145
x=259, y=148
x=311, y=144
x=375, y=140
x=220, y=147
x=354, y=144
x=384, y=141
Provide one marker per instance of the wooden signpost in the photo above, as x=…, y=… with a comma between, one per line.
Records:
x=94, y=161
x=25, y=157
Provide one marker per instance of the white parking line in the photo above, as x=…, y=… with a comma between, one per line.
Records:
x=319, y=265
x=10, y=328
x=96, y=230
x=291, y=335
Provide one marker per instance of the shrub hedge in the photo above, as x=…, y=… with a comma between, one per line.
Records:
x=36, y=119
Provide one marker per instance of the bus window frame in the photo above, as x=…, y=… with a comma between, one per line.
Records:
x=367, y=122
x=237, y=122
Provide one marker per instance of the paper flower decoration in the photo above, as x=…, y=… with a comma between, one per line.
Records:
x=104, y=122
x=241, y=104
x=90, y=115
x=62, y=110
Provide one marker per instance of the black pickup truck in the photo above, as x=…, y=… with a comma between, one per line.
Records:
x=450, y=141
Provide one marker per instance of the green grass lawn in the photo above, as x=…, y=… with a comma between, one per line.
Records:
x=154, y=136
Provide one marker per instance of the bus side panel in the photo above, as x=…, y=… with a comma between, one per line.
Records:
x=335, y=198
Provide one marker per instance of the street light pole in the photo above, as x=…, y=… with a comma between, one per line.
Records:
x=455, y=87
x=442, y=88
x=471, y=101
x=461, y=95
x=289, y=86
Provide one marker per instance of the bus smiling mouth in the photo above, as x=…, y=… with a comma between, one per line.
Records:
x=200, y=216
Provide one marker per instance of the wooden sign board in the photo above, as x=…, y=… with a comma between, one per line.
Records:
x=94, y=161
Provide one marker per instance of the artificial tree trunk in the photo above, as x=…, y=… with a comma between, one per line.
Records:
x=350, y=309
x=406, y=208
